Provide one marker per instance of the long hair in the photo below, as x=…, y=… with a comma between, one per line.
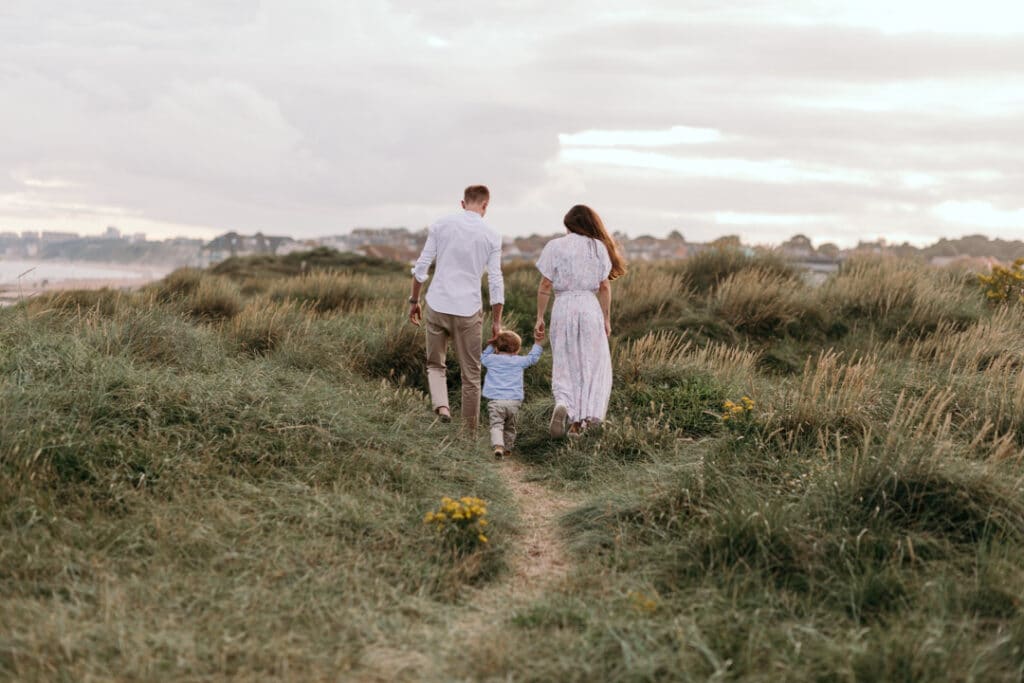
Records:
x=583, y=220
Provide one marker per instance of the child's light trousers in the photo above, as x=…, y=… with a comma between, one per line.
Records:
x=504, y=416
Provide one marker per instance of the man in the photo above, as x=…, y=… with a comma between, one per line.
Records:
x=464, y=246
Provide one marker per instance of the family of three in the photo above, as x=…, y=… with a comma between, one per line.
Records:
x=577, y=269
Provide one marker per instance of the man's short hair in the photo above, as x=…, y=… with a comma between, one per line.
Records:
x=475, y=194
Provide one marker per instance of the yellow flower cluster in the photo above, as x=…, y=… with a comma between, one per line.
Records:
x=1004, y=284
x=463, y=516
x=642, y=602
x=735, y=410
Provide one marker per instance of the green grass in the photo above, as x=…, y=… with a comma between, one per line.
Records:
x=224, y=475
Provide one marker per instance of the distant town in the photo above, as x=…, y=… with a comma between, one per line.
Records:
x=403, y=244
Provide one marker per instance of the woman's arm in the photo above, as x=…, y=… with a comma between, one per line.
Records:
x=543, y=296
x=604, y=295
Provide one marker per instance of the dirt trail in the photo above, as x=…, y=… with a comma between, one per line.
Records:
x=539, y=557
x=537, y=561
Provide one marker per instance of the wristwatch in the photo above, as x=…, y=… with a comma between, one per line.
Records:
x=413, y=301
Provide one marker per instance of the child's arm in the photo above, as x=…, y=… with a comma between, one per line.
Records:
x=485, y=357
x=532, y=357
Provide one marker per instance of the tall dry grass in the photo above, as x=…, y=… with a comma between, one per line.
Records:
x=901, y=296
x=326, y=292
x=832, y=396
x=761, y=303
x=194, y=490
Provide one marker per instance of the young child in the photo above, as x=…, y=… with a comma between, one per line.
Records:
x=503, y=386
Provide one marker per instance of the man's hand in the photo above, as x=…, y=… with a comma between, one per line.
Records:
x=415, y=314
x=495, y=331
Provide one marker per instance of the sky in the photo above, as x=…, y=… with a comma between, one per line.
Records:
x=843, y=121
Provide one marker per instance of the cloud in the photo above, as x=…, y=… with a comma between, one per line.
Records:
x=312, y=116
x=779, y=52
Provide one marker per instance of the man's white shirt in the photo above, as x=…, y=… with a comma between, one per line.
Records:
x=464, y=246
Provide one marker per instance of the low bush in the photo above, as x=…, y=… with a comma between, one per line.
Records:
x=326, y=292
x=760, y=303
x=901, y=297
x=706, y=269
x=214, y=299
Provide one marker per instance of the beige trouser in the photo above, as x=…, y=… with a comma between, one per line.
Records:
x=465, y=331
x=504, y=416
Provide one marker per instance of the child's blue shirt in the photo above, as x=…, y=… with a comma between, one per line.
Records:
x=504, y=378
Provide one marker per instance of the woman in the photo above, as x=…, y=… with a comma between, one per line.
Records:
x=579, y=267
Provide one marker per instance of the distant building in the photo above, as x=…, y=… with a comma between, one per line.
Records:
x=232, y=244
x=112, y=233
x=50, y=236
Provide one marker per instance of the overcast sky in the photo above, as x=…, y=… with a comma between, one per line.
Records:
x=841, y=120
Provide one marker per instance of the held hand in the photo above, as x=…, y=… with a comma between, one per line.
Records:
x=539, y=331
x=495, y=331
x=414, y=314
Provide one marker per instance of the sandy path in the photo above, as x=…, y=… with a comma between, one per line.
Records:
x=539, y=559
x=537, y=562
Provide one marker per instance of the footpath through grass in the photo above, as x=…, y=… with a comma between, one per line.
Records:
x=226, y=474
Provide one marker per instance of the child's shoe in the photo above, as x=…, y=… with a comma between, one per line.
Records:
x=499, y=452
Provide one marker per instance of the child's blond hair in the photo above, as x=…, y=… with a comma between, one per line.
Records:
x=508, y=341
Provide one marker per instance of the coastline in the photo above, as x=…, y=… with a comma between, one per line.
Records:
x=45, y=277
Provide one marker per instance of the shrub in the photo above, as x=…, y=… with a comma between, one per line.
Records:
x=268, y=266
x=326, y=292
x=902, y=297
x=159, y=338
x=647, y=297
x=105, y=302
x=461, y=524
x=177, y=285
x=683, y=402
x=215, y=298
x=831, y=396
x=706, y=269
x=262, y=327
x=758, y=302
x=1004, y=285
x=663, y=356
x=994, y=340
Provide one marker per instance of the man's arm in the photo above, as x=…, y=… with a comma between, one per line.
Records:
x=419, y=276
x=496, y=288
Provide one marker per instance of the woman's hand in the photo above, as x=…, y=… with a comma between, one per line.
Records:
x=607, y=327
x=539, y=331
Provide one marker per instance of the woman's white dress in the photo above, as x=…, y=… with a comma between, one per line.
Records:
x=581, y=375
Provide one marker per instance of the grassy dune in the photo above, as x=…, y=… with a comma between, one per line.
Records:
x=225, y=474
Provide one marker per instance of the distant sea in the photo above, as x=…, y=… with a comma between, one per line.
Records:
x=54, y=272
